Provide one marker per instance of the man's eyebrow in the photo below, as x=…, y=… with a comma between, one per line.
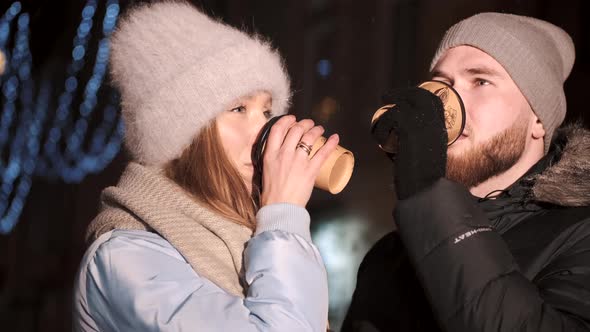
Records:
x=481, y=70
x=438, y=73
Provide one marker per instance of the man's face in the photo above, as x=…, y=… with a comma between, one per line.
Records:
x=498, y=117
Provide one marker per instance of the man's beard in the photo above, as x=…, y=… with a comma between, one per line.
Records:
x=488, y=159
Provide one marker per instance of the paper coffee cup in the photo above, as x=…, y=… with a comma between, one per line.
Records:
x=336, y=170
x=454, y=113
x=334, y=173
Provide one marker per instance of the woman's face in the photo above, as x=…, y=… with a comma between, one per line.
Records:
x=239, y=127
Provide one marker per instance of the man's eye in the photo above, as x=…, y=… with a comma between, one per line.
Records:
x=481, y=82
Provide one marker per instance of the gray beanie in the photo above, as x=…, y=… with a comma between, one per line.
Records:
x=177, y=69
x=538, y=56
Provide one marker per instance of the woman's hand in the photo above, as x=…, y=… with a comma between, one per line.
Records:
x=289, y=174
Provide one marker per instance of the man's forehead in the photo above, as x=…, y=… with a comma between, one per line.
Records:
x=468, y=60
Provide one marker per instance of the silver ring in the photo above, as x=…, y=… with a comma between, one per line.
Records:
x=304, y=147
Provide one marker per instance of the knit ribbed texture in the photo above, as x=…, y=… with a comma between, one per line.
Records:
x=538, y=55
x=145, y=199
x=284, y=217
x=177, y=69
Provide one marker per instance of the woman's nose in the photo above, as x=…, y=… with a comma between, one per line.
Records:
x=256, y=125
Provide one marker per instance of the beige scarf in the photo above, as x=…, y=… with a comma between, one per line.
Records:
x=145, y=199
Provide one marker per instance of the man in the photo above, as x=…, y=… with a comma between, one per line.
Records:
x=493, y=233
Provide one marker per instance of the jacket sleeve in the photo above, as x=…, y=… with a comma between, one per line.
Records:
x=472, y=280
x=388, y=296
x=138, y=286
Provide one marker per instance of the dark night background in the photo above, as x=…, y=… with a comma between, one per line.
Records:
x=341, y=56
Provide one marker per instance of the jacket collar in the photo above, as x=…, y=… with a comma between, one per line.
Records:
x=560, y=178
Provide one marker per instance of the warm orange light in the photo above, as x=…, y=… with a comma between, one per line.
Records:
x=2, y=62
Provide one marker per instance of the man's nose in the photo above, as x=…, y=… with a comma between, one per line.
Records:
x=467, y=102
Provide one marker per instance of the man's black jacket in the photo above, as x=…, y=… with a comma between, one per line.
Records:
x=518, y=262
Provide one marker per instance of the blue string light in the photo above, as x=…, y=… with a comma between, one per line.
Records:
x=17, y=171
x=24, y=115
x=74, y=164
x=10, y=87
x=32, y=126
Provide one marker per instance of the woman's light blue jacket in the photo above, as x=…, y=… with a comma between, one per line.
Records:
x=132, y=280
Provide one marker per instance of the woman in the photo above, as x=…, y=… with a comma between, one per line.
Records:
x=186, y=241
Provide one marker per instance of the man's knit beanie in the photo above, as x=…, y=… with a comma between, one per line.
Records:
x=538, y=55
x=177, y=69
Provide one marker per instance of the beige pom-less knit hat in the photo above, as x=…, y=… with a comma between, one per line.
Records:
x=538, y=55
x=177, y=69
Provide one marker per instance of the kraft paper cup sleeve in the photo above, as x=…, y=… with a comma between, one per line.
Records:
x=336, y=170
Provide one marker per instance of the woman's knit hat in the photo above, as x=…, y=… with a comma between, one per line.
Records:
x=177, y=69
x=538, y=55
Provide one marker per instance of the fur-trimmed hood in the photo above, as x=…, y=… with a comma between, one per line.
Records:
x=566, y=181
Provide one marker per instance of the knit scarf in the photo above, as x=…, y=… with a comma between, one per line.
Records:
x=145, y=199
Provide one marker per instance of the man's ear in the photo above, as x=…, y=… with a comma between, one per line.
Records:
x=538, y=132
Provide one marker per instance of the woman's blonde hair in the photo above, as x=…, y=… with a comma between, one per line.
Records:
x=205, y=171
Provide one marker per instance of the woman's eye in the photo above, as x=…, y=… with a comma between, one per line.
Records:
x=268, y=114
x=238, y=109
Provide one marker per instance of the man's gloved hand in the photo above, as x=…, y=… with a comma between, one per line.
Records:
x=417, y=120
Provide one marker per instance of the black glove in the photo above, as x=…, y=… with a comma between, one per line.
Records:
x=417, y=120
